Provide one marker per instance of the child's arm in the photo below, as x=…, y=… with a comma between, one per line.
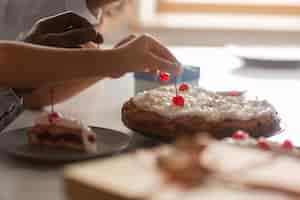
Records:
x=55, y=31
x=29, y=66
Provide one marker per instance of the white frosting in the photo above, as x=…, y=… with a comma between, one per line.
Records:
x=69, y=123
x=200, y=102
x=245, y=142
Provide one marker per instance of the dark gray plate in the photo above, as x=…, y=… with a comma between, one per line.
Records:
x=15, y=143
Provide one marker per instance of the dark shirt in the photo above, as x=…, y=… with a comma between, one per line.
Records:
x=10, y=107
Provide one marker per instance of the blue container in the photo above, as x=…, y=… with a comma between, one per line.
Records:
x=146, y=81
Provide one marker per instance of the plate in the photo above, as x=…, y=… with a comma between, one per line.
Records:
x=15, y=143
x=272, y=54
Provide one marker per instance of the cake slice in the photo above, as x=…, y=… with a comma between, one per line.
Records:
x=53, y=130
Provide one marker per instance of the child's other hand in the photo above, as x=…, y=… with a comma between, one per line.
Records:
x=67, y=30
x=146, y=54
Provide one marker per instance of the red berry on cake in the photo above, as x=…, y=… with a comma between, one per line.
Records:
x=164, y=77
x=53, y=117
x=287, y=145
x=240, y=135
x=184, y=87
x=235, y=93
x=263, y=144
x=178, y=101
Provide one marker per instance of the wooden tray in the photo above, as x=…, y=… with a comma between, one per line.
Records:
x=135, y=176
x=109, y=180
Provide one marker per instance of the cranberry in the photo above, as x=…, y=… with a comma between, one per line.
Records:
x=287, y=145
x=240, y=135
x=263, y=144
x=53, y=117
x=164, y=77
x=183, y=87
x=92, y=138
x=178, y=101
x=234, y=93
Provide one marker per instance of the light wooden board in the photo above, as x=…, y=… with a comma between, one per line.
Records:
x=136, y=176
x=113, y=179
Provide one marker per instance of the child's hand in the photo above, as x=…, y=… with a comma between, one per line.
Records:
x=146, y=54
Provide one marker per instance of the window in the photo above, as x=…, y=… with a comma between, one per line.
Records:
x=265, y=7
x=218, y=22
x=221, y=14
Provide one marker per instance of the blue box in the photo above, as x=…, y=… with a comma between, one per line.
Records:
x=146, y=81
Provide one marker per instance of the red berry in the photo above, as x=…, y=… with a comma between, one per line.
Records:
x=53, y=117
x=263, y=144
x=183, y=87
x=234, y=93
x=287, y=145
x=164, y=77
x=178, y=101
x=240, y=135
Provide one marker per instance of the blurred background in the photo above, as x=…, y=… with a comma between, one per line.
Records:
x=210, y=22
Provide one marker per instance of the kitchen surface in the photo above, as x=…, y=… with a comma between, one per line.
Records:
x=100, y=106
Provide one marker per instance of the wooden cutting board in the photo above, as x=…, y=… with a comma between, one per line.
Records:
x=120, y=178
x=135, y=176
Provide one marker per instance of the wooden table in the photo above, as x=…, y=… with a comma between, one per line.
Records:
x=101, y=104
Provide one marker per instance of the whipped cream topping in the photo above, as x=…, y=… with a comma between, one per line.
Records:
x=61, y=121
x=210, y=105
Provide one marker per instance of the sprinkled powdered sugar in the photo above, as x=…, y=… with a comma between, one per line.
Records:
x=200, y=102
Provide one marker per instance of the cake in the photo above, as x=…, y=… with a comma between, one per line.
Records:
x=196, y=167
x=55, y=131
x=221, y=113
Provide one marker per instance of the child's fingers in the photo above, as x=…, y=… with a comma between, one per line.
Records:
x=156, y=47
x=157, y=63
x=125, y=40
